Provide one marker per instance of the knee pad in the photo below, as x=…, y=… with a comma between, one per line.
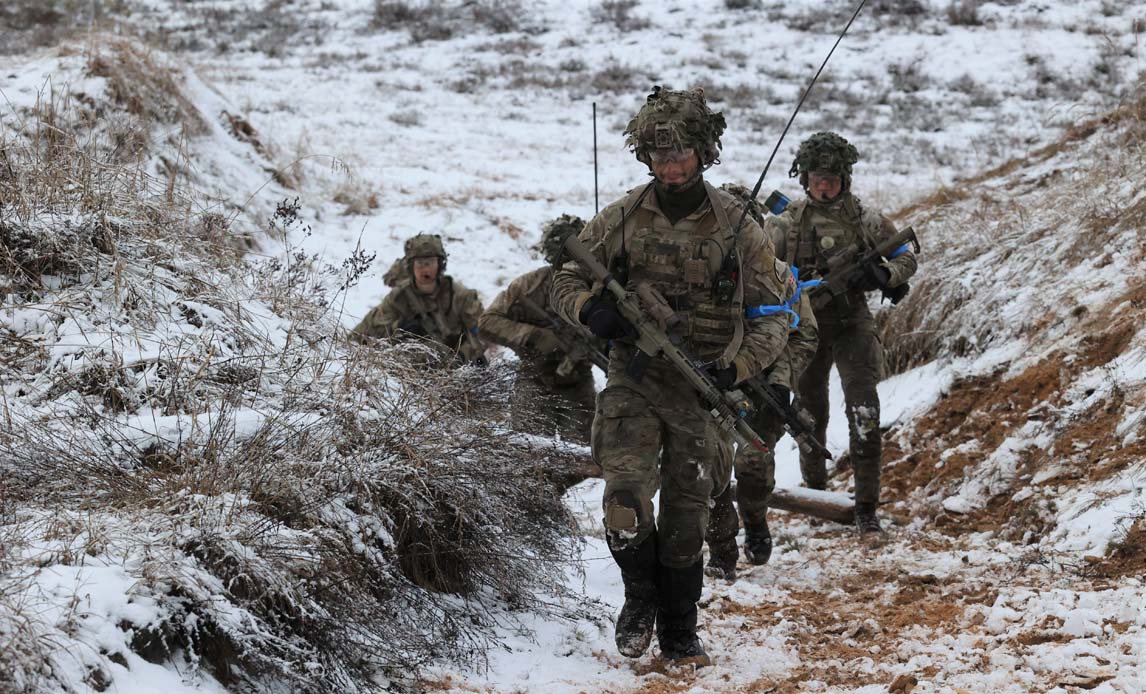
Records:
x=622, y=513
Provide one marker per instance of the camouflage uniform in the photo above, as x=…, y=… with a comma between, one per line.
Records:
x=545, y=368
x=808, y=234
x=655, y=432
x=448, y=315
x=755, y=469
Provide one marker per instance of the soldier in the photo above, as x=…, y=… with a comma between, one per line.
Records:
x=674, y=234
x=755, y=469
x=829, y=222
x=428, y=304
x=551, y=363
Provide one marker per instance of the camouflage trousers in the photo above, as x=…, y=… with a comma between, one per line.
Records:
x=657, y=435
x=755, y=479
x=858, y=355
x=546, y=403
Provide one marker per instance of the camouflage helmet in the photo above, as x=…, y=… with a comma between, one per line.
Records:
x=671, y=119
x=424, y=246
x=824, y=151
x=554, y=233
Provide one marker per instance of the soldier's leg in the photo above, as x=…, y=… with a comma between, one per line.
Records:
x=578, y=400
x=812, y=395
x=626, y=441
x=723, y=525
x=689, y=474
x=755, y=479
x=859, y=357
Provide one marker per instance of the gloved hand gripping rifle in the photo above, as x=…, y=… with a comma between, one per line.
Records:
x=728, y=408
x=576, y=343
x=843, y=272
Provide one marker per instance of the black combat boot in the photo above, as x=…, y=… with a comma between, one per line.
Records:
x=676, y=615
x=866, y=520
x=637, y=618
x=722, y=560
x=757, y=542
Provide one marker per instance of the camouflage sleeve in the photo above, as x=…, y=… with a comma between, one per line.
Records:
x=776, y=231
x=903, y=265
x=572, y=283
x=468, y=315
x=471, y=309
x=803, y=340
x=496, y=325
x=381, y=321
x=766, y=337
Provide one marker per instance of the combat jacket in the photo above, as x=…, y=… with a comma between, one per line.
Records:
x=809, y=234
x=683, y=262
x=511, y=322
x=448, y=315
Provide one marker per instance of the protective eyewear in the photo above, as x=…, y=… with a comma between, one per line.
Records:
x=675, y=156
x=828, y=179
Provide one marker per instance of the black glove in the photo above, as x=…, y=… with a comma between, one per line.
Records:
x=724, y=378
x=880, y=275
x=413, y=326
x=896, y=293
x=781, y=393
x=604, y=320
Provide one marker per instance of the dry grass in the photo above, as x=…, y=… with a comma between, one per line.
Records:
x=304, y=513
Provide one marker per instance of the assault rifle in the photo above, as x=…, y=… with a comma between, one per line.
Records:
x=728, y=408
x=797, y=423
x=842, y=273
x=577, y=343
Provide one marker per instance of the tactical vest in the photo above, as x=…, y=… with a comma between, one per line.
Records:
x=431, y=312
x=683, y=262
x=818, y=234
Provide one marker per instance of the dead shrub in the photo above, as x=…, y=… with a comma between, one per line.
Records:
x=619, y=14
x=964, y=13
x=302, y=513
x=144, y=88
x=616, y=78
x=438, y=21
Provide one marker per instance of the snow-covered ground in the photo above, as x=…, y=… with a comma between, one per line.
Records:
x=483, y=136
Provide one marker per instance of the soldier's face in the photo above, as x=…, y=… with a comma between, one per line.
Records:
x=824, y=186
x=674, y=167
x=426, y=272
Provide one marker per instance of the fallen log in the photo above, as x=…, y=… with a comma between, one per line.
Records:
x=833, y=506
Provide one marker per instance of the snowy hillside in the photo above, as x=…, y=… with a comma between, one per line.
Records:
x=204, y=488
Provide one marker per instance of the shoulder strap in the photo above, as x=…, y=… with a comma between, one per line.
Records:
x=738, y=293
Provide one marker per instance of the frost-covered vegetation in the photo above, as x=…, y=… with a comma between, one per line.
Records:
x=196, y=467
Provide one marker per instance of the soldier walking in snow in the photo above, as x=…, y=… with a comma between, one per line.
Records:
x=430, y=304
x=755, y=469
x=832, y=223
x=673, y=235
x=555, y=381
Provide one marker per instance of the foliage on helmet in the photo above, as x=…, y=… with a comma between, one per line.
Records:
x=672, y=119
x=827, y=152
x=744, y=195
x=554, y=233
